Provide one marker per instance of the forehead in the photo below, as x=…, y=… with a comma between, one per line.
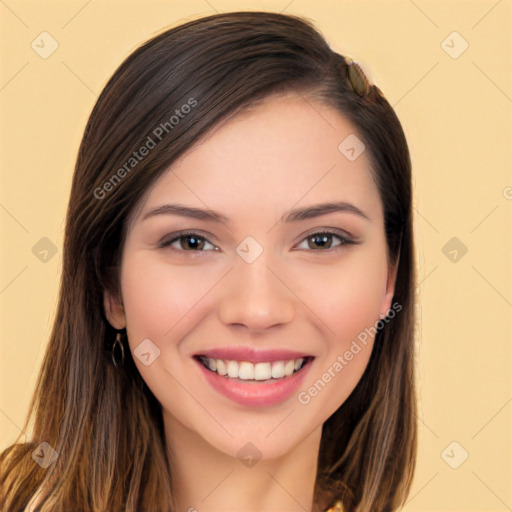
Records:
x=284, y=150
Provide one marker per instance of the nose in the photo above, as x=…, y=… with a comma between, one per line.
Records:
x=256, y=296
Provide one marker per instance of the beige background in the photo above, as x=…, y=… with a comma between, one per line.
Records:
x=457, y=116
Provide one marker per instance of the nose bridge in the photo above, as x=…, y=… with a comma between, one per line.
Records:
x=255, y=296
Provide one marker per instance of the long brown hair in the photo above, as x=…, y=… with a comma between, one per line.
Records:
x=104, y=423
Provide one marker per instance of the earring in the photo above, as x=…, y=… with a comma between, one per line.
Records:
x=118, y=342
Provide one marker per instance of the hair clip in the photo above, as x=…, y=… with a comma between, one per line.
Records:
x=357, y=78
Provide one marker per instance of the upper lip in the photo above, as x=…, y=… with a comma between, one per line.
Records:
x=252, y=355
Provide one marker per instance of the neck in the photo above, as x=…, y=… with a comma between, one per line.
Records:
x=206, y=479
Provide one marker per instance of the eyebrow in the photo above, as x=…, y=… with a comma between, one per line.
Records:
x=295, y=215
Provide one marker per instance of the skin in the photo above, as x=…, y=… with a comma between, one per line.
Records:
x=296, y=295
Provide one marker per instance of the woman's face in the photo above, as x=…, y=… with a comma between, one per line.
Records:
x=257, y=288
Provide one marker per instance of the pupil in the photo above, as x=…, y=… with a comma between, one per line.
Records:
x=194, y=241
x=323, y=238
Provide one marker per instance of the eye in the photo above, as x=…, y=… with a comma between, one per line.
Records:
x=189, y=241
x=323, y=239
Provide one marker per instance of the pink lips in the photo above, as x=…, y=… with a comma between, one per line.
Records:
x=254, y=393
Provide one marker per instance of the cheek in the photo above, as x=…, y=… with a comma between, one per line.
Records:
x=156, y=296
x=163, y=303
x=347, y=297
x=356, y=303
x=348, y=301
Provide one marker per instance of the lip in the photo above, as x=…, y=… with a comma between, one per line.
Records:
x=252, y=355
x=255, y=393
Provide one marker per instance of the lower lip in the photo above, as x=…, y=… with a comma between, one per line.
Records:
x=255, y=393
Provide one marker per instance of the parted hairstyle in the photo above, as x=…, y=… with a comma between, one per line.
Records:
x=104, y=422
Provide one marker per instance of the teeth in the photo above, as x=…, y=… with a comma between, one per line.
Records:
x=262, y=371
x=248, y=371
x=277, y=369
x=232, y=367
x=289, y=366
x=221, y=367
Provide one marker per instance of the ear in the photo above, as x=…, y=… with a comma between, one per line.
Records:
x=390, y=289
x=114, y=310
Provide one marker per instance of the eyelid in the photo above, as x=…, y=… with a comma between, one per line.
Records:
x=173, y=237
x=342, y=233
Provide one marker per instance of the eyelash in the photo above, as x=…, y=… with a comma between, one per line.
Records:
x=177, y=236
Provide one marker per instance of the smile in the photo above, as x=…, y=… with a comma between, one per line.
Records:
x=245, y=370
x=254, y=378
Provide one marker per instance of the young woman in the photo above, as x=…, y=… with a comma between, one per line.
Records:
x=235, y=328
